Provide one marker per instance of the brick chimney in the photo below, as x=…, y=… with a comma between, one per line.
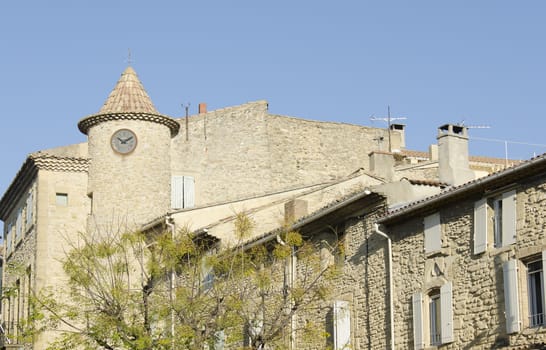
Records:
x=202, y=108
x=453, y=163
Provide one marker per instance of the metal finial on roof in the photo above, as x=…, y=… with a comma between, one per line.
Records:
x=129, y=61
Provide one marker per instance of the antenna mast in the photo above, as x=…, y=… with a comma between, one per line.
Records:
x=388, y=119
x=187, y=107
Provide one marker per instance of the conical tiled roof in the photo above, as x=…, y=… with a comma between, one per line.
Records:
x=128, y=101
x=128, y=96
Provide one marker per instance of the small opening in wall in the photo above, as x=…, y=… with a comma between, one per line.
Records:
x=61, y=199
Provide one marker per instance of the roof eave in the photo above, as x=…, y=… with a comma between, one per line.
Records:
x=496, y=180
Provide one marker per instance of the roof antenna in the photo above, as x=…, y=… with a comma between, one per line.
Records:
x=388, y=119
x=187, y=107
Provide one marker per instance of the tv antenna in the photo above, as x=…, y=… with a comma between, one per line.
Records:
x=389, y=120
x=462, y=124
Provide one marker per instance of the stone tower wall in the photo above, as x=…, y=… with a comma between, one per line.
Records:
x=129, y=189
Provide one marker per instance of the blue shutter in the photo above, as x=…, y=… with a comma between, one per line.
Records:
x=480, y=226
x=511, y=307
x=418, y=337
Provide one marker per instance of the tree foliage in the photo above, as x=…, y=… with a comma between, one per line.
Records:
x=179, y=290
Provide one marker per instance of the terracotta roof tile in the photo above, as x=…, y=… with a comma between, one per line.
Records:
x=128, y=96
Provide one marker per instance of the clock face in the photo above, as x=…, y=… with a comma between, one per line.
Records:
x=124, y=141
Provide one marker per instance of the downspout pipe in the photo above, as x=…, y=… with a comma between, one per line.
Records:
x=391, y=286
x=170, y=224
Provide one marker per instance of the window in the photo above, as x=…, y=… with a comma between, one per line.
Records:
x=434, y=319
x=182, y=192
x=61, y=199
x=495, y=221
x=433, y=233
x=533, y=286
x=433, y=325
x=535, y=290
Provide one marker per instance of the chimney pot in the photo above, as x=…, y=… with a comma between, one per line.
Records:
x=202, y=108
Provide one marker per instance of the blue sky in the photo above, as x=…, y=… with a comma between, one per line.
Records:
x=434, y=62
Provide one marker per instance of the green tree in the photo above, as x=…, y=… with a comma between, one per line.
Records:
x=179, y=290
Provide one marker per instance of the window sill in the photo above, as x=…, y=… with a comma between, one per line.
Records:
x=534, y=330
x=441, y=252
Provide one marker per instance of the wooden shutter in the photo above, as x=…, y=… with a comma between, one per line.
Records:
x=19, y=224
x=511, y=307
x=433, y=233
x=30, y=209
x=446, y=312
x=418, y=337
x=189, y=192
x=220, y=340
x=342, y=325
x=543, y=278
x=177, y=192
x=509, y=218
x=480, y=226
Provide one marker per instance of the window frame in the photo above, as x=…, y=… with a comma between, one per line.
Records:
x=423, y=331
x=495, y=219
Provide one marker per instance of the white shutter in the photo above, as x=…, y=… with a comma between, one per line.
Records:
x=30, y=209
x=480, y=226
x=177, y=192
x=342, y=325
x=418, y=338
x=220, y=340
x=446, y=312
x=433, y=233
x=509, y=218
x=189, y=192
x=19, y=225
x=511, y=307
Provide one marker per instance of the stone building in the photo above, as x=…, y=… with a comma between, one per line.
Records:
x=139, y=168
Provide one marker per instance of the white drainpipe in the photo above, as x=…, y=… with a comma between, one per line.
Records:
x=391, y=286
x=168, y=222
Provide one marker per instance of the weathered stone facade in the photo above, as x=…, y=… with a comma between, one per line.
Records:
x=478, y=297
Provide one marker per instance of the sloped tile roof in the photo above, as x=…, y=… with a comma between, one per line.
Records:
x=531, y=167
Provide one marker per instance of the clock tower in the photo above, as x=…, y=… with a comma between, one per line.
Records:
x=129, y=151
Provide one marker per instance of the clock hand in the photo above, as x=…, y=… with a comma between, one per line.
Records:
x=128, y=139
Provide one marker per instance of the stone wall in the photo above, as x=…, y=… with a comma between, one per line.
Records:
x=477, y=279
x=243, y=151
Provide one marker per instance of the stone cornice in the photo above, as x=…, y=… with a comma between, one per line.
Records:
x=86, y=123
x=27, y=174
